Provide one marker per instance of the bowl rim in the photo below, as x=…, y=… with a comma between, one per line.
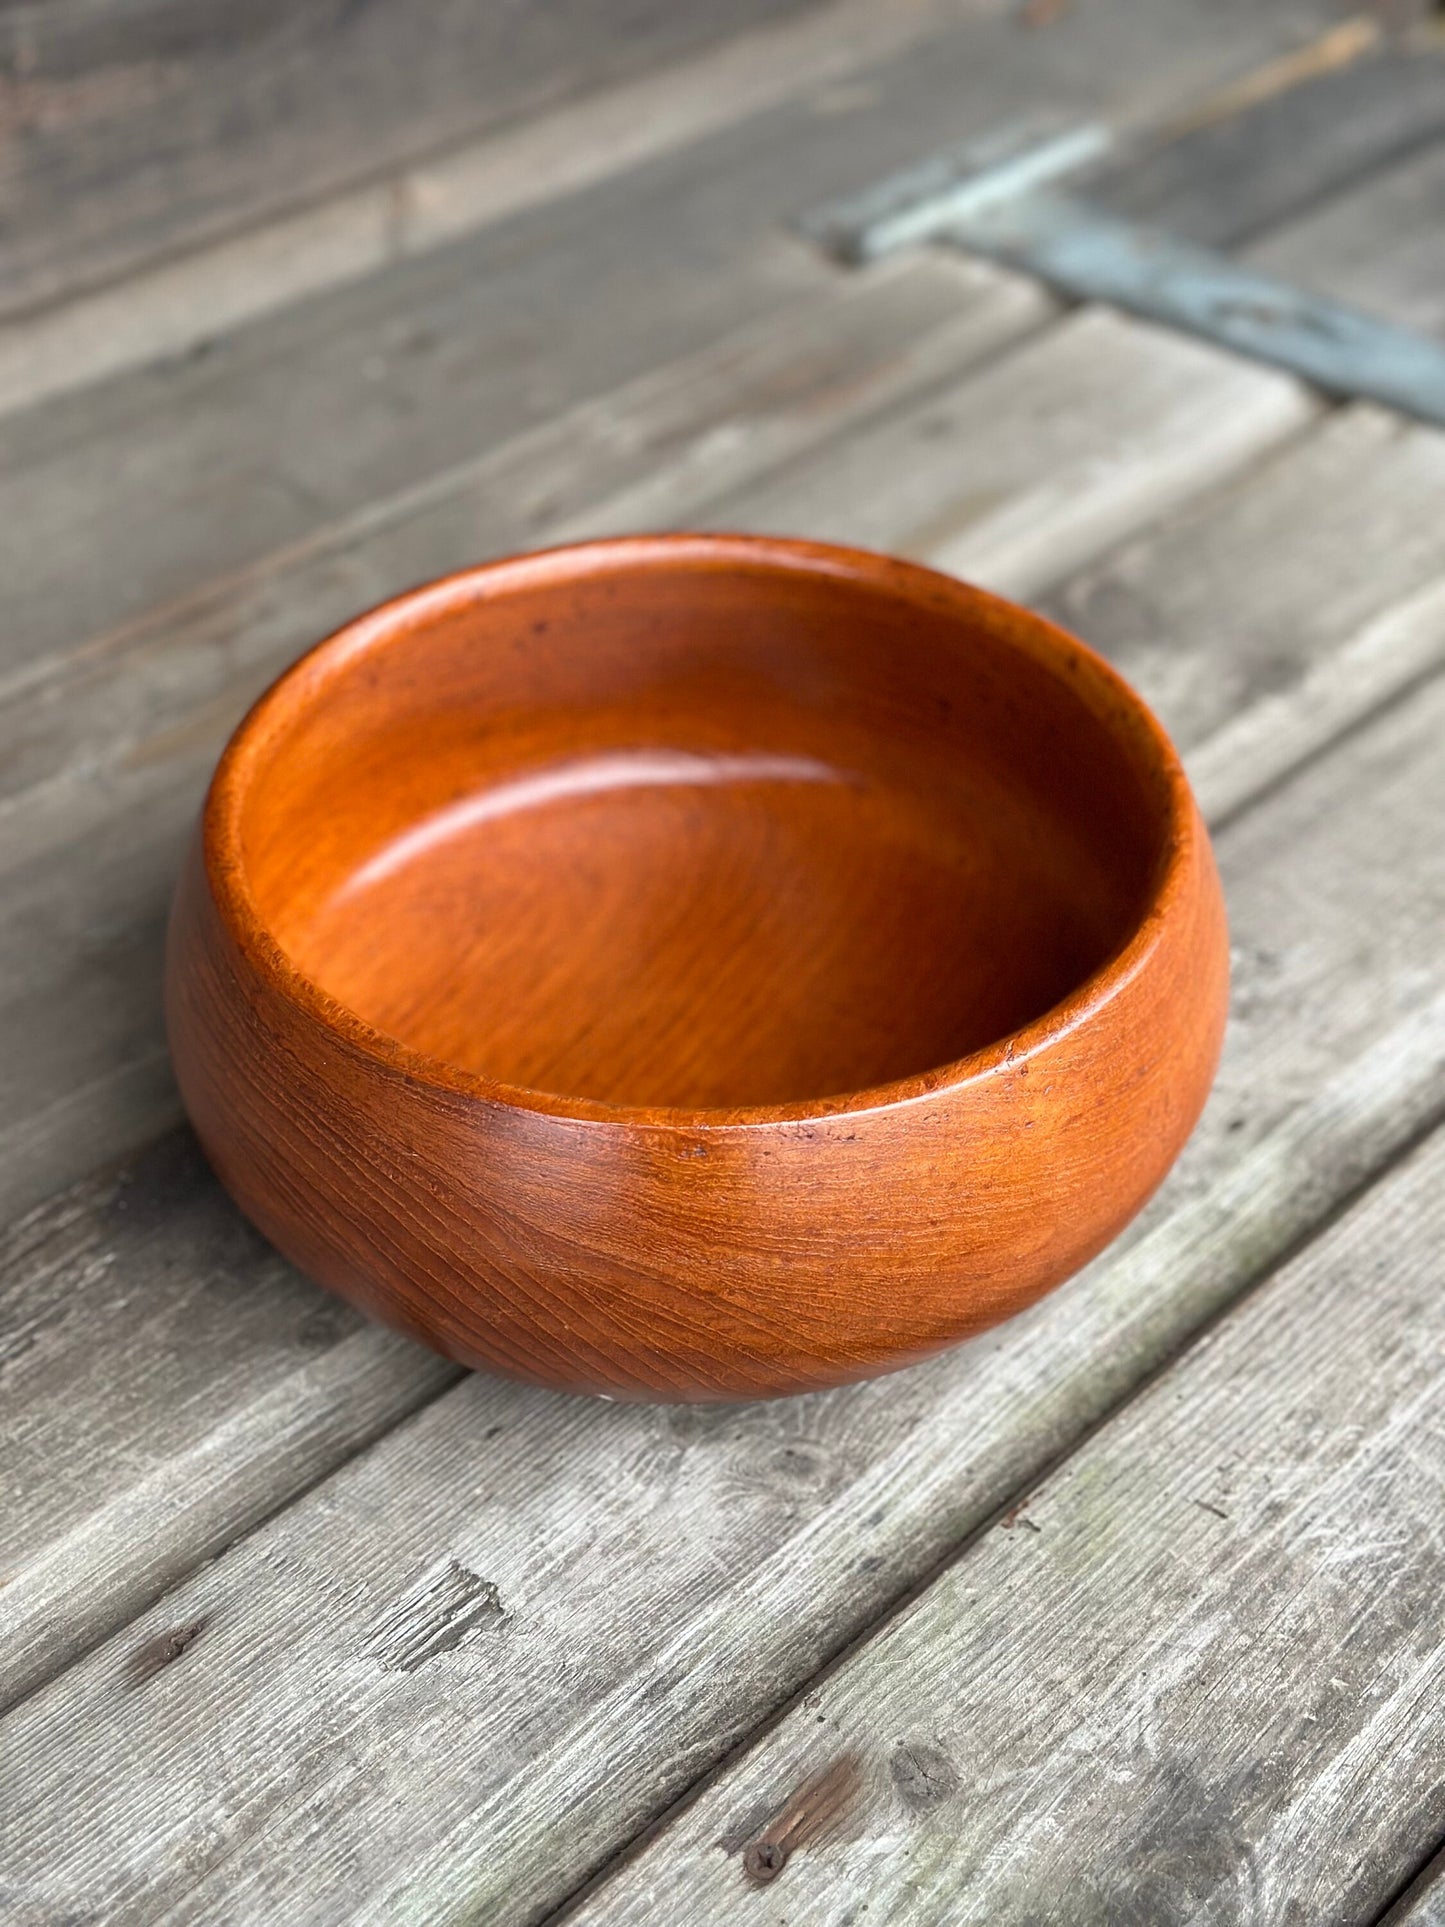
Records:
x=414, y=608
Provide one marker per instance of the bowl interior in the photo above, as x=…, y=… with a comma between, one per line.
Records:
x=695, y=830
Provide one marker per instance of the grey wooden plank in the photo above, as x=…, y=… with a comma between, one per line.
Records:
x=129, y=135
x=1378, y=247
x=1423, y=1903
x=168, y=194
x=1262, y=611
x=1011, y=455
x=161, y=1364
x=660, y=443
x=1227, y=180
x=368, y=390
x=183, y=302
x=1197, y=1678
x=1017, y=478
x=667, y=1577
x=120, y=499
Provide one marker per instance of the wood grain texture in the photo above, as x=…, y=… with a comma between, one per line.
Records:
x=1258, y=620
x=1227, y=181
x=655, y=447
x=1377, y=246
x=1265, y=569
x=1013, y=480
x=211, y=659
x=1195, y=1676
x=125, y=140
x=872, y=85
x=667, y=1578
x=696, y=967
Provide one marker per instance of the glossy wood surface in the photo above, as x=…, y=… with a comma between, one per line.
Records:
x=696, y=966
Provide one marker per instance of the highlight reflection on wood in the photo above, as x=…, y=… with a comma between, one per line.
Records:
x=696, y=966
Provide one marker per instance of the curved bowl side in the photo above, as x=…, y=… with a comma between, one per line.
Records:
x=678, y=1260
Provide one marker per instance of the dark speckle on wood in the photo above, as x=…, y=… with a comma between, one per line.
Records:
x=446, y=1607
x=1015, y=1516
x=924, y=1775
x=163, y=1650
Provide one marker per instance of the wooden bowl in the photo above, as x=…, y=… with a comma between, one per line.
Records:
x=696, y=966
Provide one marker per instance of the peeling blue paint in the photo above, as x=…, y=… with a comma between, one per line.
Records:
x=1090, y=255
x=918, y=204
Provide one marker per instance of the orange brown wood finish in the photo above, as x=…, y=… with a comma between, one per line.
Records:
x=696, y=966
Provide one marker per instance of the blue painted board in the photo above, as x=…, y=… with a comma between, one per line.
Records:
x=1088, y=254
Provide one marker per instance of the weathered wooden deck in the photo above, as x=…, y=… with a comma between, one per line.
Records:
x=1130, y=1611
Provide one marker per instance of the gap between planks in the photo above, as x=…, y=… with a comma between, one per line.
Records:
x=772, y=1536
x=1423, y=1902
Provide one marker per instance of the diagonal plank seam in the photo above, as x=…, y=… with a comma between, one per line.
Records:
x=1420, y=1901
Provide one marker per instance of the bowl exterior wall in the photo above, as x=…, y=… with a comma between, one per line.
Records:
x=665, y=1260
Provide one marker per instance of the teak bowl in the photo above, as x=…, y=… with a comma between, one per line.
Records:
x=696, y=966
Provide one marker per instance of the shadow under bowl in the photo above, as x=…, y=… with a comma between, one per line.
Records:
x=696, y=966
